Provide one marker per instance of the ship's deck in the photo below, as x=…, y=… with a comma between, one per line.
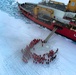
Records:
x=61, y=7
x=29, y=7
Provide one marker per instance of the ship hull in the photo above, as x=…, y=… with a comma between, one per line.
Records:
x=64, y=31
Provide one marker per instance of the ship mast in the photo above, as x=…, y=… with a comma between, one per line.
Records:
x=43, y=0
x=50, y=0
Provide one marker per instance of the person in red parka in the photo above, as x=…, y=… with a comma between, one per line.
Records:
x=51, y=53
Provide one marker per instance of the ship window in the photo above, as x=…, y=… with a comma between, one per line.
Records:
x=73, y=4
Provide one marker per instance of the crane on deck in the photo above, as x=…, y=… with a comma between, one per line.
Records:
x=48, y=37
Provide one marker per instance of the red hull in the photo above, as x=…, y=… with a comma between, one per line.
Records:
x=65, y=31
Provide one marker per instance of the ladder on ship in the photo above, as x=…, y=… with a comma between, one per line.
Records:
x=53, y=31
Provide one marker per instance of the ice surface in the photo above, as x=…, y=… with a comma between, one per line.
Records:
x=40, y=50
x=17, y=32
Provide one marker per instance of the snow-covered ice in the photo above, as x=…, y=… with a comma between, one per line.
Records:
x=16, y=32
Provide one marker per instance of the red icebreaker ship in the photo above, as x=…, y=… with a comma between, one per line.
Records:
x=53, y=15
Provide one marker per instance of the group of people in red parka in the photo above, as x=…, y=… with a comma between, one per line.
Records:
x=27, y=54
x=45, y=58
